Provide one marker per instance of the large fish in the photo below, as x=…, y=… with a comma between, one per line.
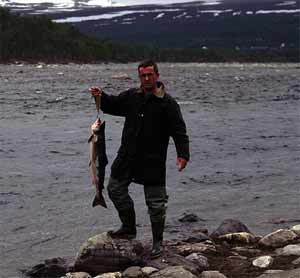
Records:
x=98, y=160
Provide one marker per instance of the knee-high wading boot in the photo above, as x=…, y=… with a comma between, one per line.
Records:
x=128, y=227
x=157, y=235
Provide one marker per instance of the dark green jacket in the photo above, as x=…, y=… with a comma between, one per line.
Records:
x=150, y=120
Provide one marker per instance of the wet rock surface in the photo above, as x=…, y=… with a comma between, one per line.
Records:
x=212, y=259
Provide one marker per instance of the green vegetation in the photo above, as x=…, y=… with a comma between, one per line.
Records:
x=37, y=38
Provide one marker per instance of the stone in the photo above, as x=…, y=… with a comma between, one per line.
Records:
x=296, y=229
x=238, y=238
x=173, y=272
x=55, y=267
x=175, y=260
x=289, y=250
x=133, y=272
x=230, y=226
x=196, y=238
x=103, y=254
x=198, y=259
x=279, y=238
x=295, y=273
x=245, y=251
x=148, y=270
x=263, y=261
x=212, y=274
x=78, y=275
x=296, y=262
x=187, y=249
x=110, y=275
x=239, y=264
x=189, y=217
x=121, y=76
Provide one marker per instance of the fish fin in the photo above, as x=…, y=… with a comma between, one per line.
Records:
x=99, y=200
x=91, y=138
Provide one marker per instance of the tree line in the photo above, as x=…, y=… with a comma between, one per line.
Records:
x=38, y=38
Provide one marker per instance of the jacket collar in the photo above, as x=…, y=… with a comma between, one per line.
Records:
x=160, y=92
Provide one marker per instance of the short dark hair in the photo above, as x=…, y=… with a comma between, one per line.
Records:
x=148, y=63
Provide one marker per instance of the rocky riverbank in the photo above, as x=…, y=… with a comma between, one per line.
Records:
x=231, y=251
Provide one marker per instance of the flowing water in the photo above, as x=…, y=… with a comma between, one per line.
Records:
x=244, y=126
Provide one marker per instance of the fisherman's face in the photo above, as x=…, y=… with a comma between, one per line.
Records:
x=148, y=78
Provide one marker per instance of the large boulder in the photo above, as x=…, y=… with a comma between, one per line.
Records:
x=230, y=226
x=279, y=238
x=173, y=272
x=101, y=254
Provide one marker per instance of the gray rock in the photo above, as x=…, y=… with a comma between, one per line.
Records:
x=238, y=238
x=212, y=274
x=189, y=217
x=279, y=238
x=133, y=272
x=148, y=270
x=296, y=262
x=187, y=249
x=78, y=275
x=240, y=264
x=295, y=273
x=263, y=261
x=173, y=272
x=296, y=229
x=251, y=252
x=110, y=275
x=52, y=267
x=289, y=250
x=102, y=254
x=198, y=259
x=230, y=226
x=196, y=238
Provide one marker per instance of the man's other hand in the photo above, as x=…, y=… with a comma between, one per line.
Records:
x=95, y=91
x=181, y=163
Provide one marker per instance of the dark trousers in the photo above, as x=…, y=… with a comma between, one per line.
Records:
x=156, y=198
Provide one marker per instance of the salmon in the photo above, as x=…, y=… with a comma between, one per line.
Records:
x=98, y=160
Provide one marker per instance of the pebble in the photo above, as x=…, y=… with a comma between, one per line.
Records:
x=263, y=261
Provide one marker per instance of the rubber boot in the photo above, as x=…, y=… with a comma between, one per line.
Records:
x=128, y=227
x=157, y=235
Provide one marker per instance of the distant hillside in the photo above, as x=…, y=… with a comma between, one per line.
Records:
x=38, y=38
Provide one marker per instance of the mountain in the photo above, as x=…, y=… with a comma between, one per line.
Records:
x=252, y=25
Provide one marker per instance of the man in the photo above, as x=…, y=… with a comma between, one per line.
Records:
x=151, y=117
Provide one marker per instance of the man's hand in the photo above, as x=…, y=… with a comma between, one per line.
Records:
x=95, y=91
x=181, y=163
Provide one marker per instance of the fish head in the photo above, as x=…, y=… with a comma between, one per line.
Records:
x=95, y=127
